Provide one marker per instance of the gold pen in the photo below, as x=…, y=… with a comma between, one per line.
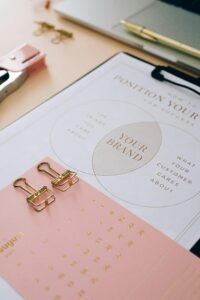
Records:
x=152, y=36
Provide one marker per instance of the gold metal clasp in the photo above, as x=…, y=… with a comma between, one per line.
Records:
x=38, y=198
x=63, y=181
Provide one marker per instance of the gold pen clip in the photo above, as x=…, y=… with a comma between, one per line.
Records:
x=137, y=30
x=63, y=181
x=147, y=36
x=38, y=199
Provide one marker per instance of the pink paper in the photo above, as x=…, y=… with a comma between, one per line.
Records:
x=86, y=246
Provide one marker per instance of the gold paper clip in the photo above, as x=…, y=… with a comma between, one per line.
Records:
x=62, y=34
x=63, y=181
x=43, y=27
x=38, y=199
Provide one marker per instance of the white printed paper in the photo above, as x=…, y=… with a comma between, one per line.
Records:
x=129, y=135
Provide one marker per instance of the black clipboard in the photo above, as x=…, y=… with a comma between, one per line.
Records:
x=157, y=74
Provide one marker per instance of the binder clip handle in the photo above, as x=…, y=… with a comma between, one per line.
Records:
x=22, y=184
x=45, y=167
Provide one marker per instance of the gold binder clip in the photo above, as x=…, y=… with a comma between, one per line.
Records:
x=38, y=199
x=63, y=181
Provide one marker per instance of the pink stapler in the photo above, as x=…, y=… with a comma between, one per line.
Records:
x=16, y=66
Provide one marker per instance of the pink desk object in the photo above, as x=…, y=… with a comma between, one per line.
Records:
x=86, y=246
x=25, y=57
x=16, y=66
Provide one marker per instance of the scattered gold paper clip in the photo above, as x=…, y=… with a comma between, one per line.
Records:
x=62, y=34
x=38, y=199
x=43, y=27
x=62, y=181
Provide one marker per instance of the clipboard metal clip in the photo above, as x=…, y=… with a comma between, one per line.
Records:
x=62, y=181
x=38, y=199
x=16, y=66
x=157, y=74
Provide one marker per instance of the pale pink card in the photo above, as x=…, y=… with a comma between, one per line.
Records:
x=86, y=246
